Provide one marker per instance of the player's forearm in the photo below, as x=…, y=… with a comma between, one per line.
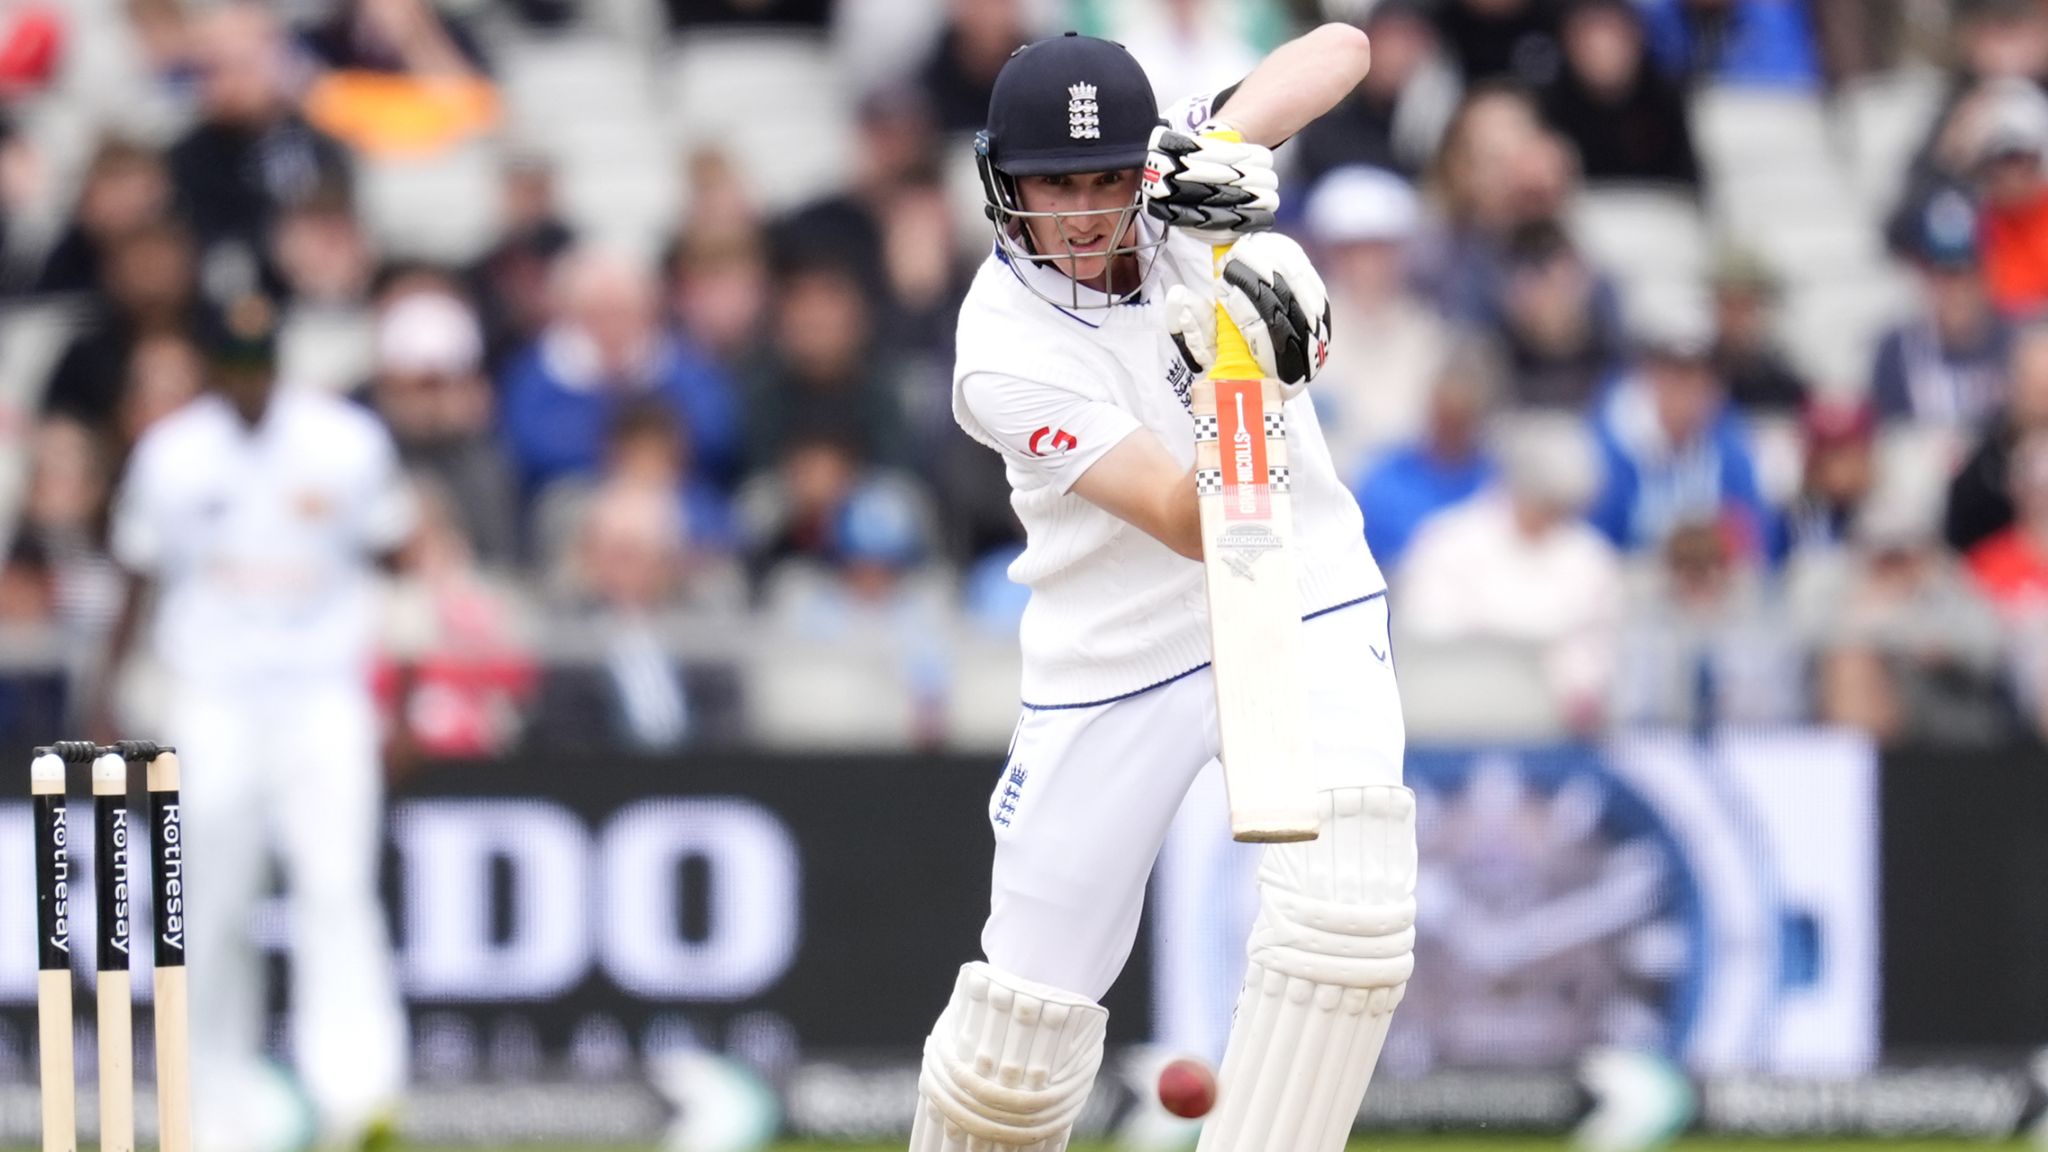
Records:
x=1170, y=514
x=1140, y=483
x=1181, y=519
x=1298, y=82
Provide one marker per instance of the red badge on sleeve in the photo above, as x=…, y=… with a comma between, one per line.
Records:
x=1062, y=442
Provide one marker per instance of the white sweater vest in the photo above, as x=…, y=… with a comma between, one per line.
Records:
x=1112, y=610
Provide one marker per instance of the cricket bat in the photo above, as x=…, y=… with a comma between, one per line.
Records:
x=1241, y=484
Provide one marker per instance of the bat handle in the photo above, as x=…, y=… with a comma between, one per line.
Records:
x=1234, y=360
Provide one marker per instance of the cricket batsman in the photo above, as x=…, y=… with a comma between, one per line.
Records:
x=1078, y=344
x=255, y=517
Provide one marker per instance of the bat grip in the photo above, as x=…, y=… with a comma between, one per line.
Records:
x=1234, y=360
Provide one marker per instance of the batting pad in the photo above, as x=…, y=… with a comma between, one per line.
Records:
x=1008, y=1065
x=1330, y=956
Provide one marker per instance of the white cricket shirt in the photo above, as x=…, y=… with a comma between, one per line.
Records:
x=262, y=540
x=1113, y=611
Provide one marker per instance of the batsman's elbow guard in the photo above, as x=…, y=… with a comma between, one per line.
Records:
x=1009, y=1064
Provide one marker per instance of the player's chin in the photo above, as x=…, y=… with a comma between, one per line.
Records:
x=1085, y=267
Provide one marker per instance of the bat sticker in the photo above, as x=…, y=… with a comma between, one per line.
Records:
x=1241, y=429
x=1243, y=544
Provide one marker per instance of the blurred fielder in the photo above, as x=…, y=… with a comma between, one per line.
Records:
x=1078, y=344
x=256, y=514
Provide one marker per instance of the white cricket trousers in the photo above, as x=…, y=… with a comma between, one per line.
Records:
x=286, y=769
x=1088, y=794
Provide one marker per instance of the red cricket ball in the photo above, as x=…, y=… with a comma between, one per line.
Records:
x=1187, y=1088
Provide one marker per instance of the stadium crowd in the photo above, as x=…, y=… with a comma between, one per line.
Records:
x=1624, y=495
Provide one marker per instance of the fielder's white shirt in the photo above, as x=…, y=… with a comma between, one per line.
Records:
x=1113, y=611
x=262, y=539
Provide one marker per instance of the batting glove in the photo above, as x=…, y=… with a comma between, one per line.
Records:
x=1278, y=302
x=1215, y=189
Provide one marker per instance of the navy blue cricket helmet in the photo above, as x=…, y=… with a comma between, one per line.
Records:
x=1064, y=105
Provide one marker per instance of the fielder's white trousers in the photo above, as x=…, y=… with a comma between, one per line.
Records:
x=1088, y=794
x=288, y=770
